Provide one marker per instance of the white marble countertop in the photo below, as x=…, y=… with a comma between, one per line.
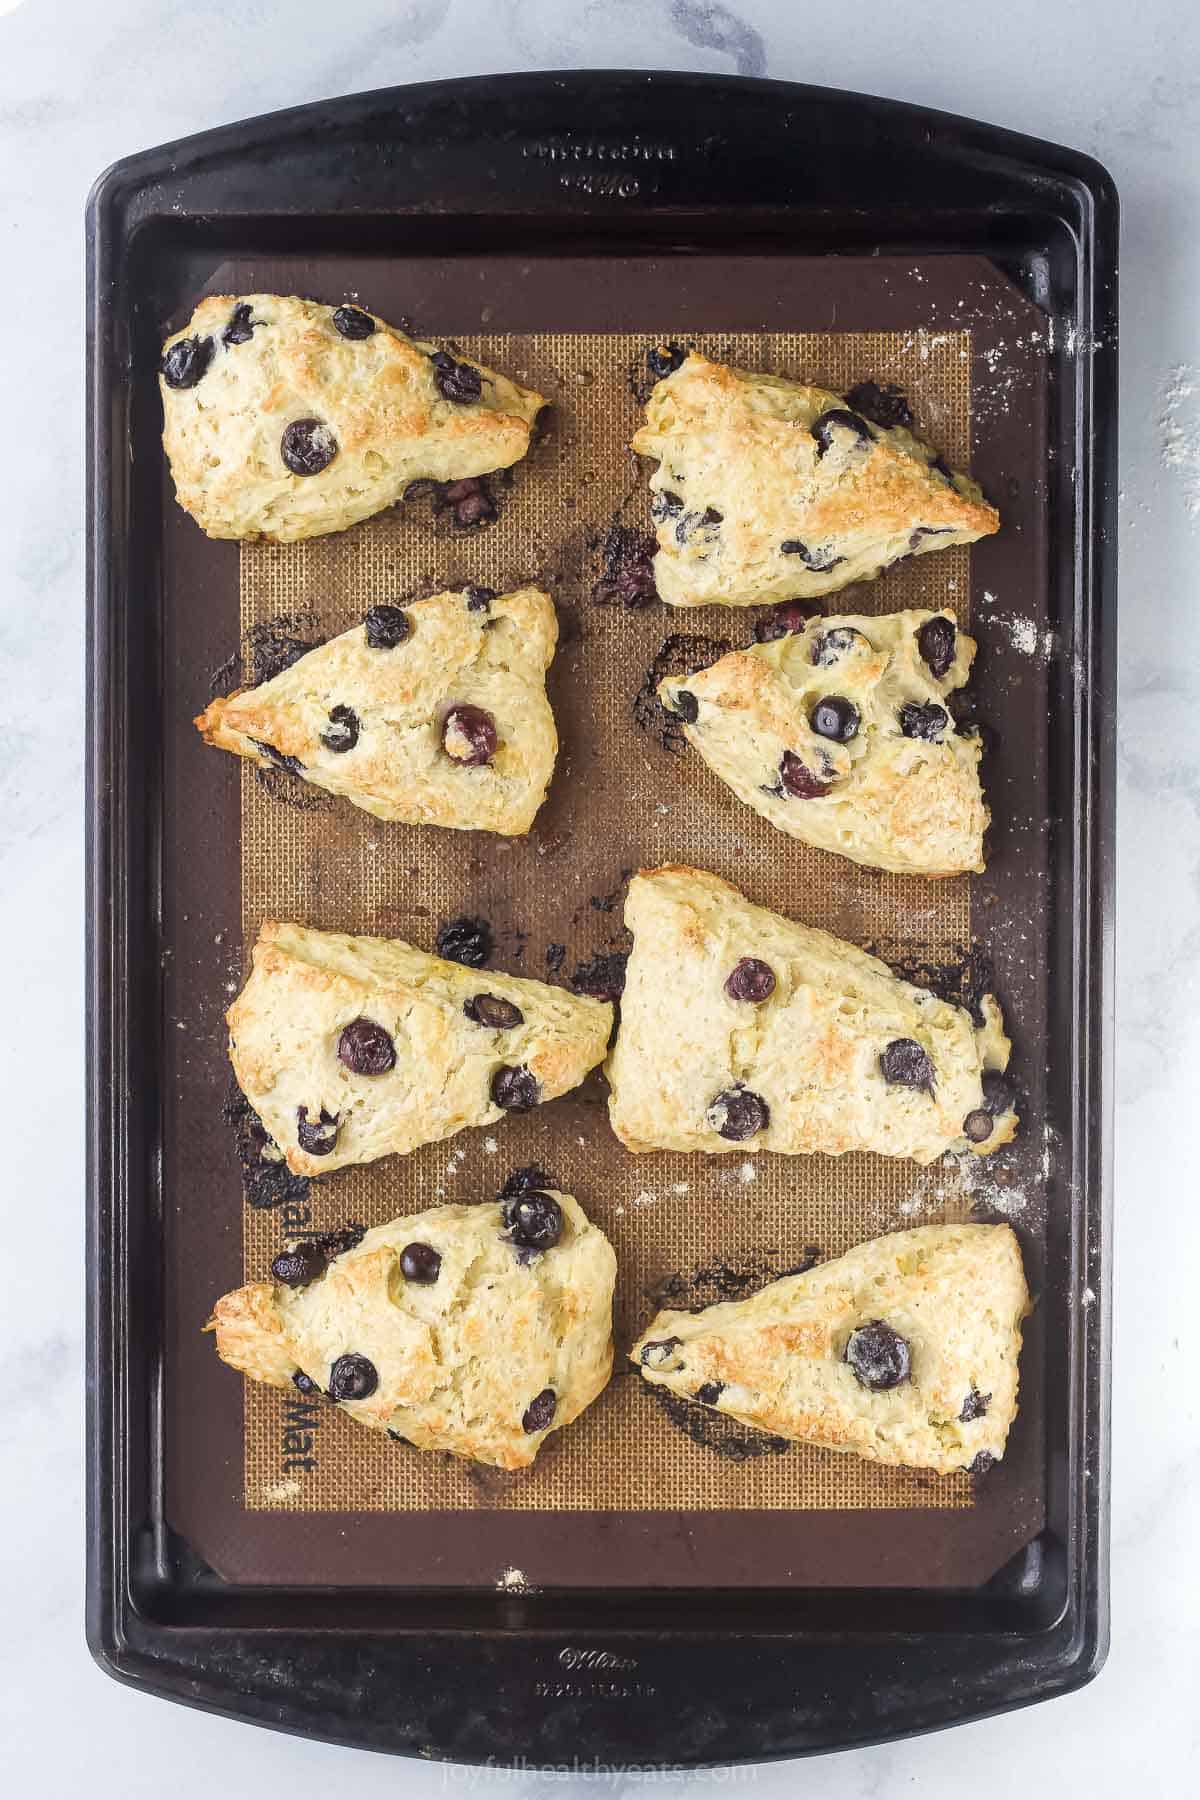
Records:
x=84, y=83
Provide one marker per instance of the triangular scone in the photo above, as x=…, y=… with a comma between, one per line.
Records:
x=448, y=1329
x=768, y=490
x=902, y=1351
x=742, y=1031
x=351, y=1048
x=286, y=419
x=838, y=733
x=376, y=714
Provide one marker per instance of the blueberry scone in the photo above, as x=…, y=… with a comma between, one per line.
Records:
x=433, y=713
x=770, y=490
x=741, y=1030
x=837, y=732
x=352, y=1048
x=902, y=1351
x=473, y=1329
x=286, y=419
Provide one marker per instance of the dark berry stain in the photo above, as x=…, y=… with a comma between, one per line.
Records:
x=267, y=1181
x=466, y=941
x=883, y=403
x=681, y=654
x=786, y=620
x=627, y=569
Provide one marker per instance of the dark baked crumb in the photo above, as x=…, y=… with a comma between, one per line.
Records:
x=602, y=976
x=336, y=1243
x=266, y=1181
x=627, y=557
x=961, y=983
x=606, y=902
x=283, y=786
x=682, y=654
x=555, y=957
x=882, y=402
x=692, y=1290
x=273, y=645
x=465, y=940
x=715, y=1431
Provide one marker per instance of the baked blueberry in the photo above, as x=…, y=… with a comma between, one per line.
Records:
x=387, y=626
x=658, y=1354
x=299, y=1265
x=469, y=501
x=292, y=764
x=838, y=419
x=457, y=381
x=341, y=734
x=936, y=641
x=466, y=941
x=998, y=1094
x=883, y=403
x=977, y=1126
x=665, y=505
x=492, y=1011
x=664, y=359
x=420, y=1263
x=981, y=1463
x=786, y=620
x=316, y=1137
x=186, y=362
x=905, y=1064
x=516, y=1090
x=307, y=446
x=685, y=706
x=532, y=1219
x=738, y=1114
x=710, y=1393
x=240, y=328
x=835, y=717
x=365, y=1048
x=879, y=1356
x=831, y=646
x=820, y=560
x=469, y=735
x=974, y=1406
x=750, y=979
x=304, y=1383
x=540, y=1411
x=353, y=322
x=353, y=1377
x=479, y=598
x=925, y=720
x=798, y=781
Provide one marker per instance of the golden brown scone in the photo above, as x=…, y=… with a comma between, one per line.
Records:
x=837, y=732
x=741, y=1030
x=769, y=490
x=378, y=714
x=352, y=1048
x=286, y=419
x=902, y=1351
x=473, y=1329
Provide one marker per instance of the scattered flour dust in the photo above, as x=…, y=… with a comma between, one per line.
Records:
x=512, y=1581
x=282, y=1490
x=1179, y=424
x=747, y=1173
x=937, y=1187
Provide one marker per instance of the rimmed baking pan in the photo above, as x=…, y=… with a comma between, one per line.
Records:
x=564, y=219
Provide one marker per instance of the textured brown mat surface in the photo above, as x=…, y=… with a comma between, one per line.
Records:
x=620, y=800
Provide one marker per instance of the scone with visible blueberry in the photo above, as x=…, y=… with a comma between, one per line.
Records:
x=473, y=1329
x=352, y=1048
x=741, y=1030
x=770, y=490
x=903, y=1351
x=286, y=419
x=836, y=731
x=434, y=713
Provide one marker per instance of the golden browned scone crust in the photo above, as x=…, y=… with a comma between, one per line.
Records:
x=390, y=755
x=901, y=794
x=954, y=1294
x=352, y=1048
x=456, y=1361
x=267, y=362
x=802, y=1068
x=769, y=490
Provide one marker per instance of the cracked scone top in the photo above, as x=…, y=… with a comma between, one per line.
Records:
x=743, y=1031
x=377, y=714
x=449, y=1328
x=770, y=490
x=837, y=733
x=902, y=1351
x=352, y=1048
x=287, y=419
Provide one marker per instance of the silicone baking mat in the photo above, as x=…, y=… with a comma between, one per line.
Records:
x=626, y=794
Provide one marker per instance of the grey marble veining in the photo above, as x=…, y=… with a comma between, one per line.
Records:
x=83, y=83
